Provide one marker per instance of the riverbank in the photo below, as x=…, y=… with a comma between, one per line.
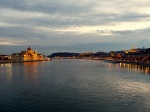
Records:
x=146, y=64
x=109, y=61
x=5, y=62
x=135, y=63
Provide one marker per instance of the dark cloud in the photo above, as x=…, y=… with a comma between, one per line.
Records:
x=135, y=33
x=18, y=32
x=44, y=6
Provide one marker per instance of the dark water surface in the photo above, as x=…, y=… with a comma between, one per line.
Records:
x=74, y=86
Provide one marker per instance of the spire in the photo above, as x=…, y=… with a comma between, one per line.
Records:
x=132, y=46
x=29, y=48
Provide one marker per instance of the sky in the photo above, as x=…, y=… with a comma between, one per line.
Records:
x=50, y=26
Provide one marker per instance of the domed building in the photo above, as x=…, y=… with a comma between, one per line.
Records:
x=30, y=55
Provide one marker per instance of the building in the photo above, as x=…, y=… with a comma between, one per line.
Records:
x=28, y=55
x=5, y=58
x=15, y=56
x=132, y=50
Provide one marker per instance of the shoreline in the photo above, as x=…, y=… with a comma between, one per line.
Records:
x=6, y=62
x=110, y=61
x=128, y=62
x=114, y=62
x=137, y=63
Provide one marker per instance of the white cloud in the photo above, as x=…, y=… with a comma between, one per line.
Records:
x=9, y=41
x=104, y=29
x=4, y=24
x=16, y=14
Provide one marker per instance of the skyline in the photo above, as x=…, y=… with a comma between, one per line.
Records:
x=74, y=26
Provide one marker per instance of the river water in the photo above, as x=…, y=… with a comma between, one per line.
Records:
x=74, y=86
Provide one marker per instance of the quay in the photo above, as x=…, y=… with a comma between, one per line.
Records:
x=5, y=62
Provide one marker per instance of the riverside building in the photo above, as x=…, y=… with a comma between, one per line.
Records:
x=27, y=55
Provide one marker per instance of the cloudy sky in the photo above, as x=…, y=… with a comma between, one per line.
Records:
x=73, y=25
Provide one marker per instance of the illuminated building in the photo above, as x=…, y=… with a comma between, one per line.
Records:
x=132, y=50
x=28, y=55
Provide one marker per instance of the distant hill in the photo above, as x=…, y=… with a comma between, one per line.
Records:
x=63, y=54
x=68, y=54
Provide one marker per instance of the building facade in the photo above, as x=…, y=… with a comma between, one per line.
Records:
x=28, y=55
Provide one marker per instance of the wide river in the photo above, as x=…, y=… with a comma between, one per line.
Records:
x=74, y=86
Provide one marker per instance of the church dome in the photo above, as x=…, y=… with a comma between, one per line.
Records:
x=29, y=50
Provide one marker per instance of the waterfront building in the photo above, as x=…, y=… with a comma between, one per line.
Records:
x=15, y=56
x=27, y=55
x=30, y=55
x=132, y=50
x=5, y=57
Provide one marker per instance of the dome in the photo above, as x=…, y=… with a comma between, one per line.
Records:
x=29, y=48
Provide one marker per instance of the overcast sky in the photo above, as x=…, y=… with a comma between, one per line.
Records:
x=73, y=25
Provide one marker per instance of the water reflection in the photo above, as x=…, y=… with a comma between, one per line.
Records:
x=134, y=68
x=31, y=70
x=76, y=86
x=6, y=71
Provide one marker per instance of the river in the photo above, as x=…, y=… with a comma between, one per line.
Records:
x=74, y=86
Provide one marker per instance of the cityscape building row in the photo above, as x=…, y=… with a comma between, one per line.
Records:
x=32, y=55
